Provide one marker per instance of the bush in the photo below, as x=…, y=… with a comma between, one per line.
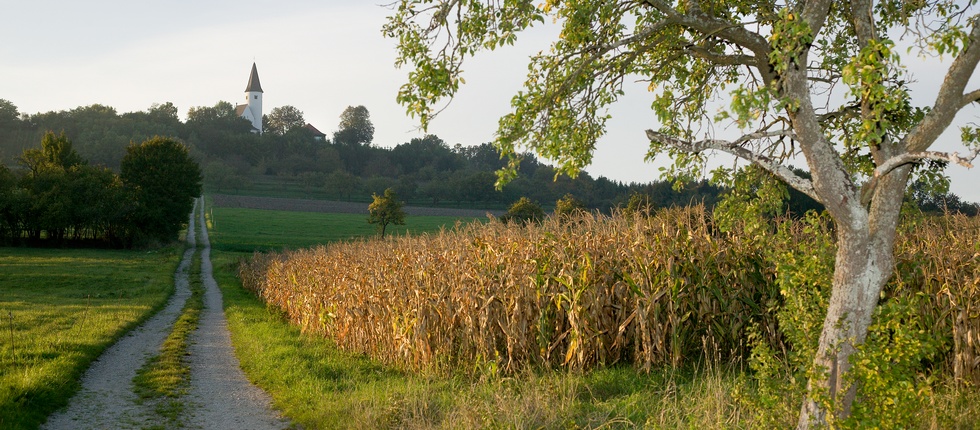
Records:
x=523, y=211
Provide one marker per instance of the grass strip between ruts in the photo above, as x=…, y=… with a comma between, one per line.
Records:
x=164, y=379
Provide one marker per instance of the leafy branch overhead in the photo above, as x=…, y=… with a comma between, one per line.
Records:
x=818, y=80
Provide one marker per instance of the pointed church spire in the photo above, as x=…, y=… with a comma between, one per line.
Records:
x=253, y=81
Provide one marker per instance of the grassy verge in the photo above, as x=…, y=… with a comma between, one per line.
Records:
x=59, y=309
x=165, y=377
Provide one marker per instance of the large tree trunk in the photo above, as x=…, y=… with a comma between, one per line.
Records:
x=864, y=263
x=858, y=278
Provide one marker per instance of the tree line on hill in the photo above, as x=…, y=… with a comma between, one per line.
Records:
x=57, y=198
x=349, y=165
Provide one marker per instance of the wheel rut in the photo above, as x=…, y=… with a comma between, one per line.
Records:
x=219, y=395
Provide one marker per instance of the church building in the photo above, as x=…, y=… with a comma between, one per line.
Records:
x=252, y=109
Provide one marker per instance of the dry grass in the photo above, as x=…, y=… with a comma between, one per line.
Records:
x=495, y=299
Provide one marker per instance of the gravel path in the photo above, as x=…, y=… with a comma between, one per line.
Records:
x=220, y=396
x=106, y=399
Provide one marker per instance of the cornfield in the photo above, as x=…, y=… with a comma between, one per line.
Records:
x=583, y=292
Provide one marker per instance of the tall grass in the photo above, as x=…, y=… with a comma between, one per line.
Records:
x=582, y=293
x=571, y=292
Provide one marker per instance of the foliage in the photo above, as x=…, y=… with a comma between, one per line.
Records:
x=568, y=205
x=523, y=211
x=164, y=181
x=386, y=209
x=355, y=127
x=638, y=205
x=777, y=64
x=284, y=119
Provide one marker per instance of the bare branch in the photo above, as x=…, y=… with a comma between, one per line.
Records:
x=771, y=164
x=970, y=97
x=868, y=189
x=915, y=157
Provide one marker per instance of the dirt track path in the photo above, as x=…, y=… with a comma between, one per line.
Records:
x=220, y=396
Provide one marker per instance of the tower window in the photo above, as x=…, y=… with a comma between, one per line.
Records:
x=255, y=97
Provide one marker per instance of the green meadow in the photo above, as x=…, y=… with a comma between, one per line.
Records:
x=59, y=309
x=248, y=230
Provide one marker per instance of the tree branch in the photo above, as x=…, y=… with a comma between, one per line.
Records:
x=970, y=97
x=707, y=24
x=771, y=165
x=723, y=59
x=868, y=189
x=915, y=157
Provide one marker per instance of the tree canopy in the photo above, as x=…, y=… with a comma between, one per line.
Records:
x=386, y=209
x=283, y=119
x=355, y=127
x=817, y=80
x=165, y=181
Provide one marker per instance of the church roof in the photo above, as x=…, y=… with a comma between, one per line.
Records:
x=253, y=81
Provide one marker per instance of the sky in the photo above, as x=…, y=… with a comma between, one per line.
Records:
x=318, y=56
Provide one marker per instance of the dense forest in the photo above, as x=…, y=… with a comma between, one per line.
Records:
x=348, y=165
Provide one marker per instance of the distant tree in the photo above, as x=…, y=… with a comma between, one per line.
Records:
x=56, y=152
x=9, y=211
x=639, y=203
x=936, y=198
x=355, y=127
x=569, y=205
x=523, y=211
x=166, y=112
x=219, y=175
x=342, y=183
x=164, y=181
x=8, y=113
x=283, y=119
x=386, y=209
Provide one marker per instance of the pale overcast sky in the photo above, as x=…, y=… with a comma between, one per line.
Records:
x=319, y=56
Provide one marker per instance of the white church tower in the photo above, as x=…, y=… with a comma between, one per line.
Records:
x=252, y=109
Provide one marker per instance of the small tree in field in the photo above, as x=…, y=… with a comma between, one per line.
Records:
x=568, y=205
x=386, y=209
x=820, y=80
x=523, y=211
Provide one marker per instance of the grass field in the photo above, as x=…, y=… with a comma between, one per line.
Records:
x=59, y=309
x=248, y=230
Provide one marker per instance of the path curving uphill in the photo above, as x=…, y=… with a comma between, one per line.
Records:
x=220, y=396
